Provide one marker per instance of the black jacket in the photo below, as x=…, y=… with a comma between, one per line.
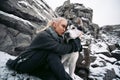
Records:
x=46, y=42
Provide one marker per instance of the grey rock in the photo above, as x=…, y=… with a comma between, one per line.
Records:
x=19, y=22
x=116, y=54
x=20, y=19
x=110, y=75
x=110, y=33
x=77, y=10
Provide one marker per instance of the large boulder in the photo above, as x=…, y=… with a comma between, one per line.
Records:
x=33, y=10
x=19, y=22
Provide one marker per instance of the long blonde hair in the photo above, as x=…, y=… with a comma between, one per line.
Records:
x=55, y=20
x=51, y=22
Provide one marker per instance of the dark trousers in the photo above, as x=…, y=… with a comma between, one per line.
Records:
x=50, y=68
x=54, y=69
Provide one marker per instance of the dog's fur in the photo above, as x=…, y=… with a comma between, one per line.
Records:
x=71, y=59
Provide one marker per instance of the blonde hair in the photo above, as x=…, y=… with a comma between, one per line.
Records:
x=56, y=20
x=51, y=22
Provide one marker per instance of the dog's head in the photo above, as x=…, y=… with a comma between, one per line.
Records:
x=72, y=32
x=74, y=29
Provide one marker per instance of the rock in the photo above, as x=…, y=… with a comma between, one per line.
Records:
x=33, y=10
x=99, y=41
x=112, y=47
x=83, y=63
x=17, y=23
x=92, y=58
x=20, y=20
x=117, y=63
x=100, y=48
x=110, y=75
x=11, y=38
x=94, y=28
x=104, y=69
x=110, y=33
x=116, y=54
x=76, y=10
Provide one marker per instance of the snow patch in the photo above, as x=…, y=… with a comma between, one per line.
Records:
x=15, y=17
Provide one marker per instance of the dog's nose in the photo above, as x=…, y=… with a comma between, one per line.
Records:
x=67, y=35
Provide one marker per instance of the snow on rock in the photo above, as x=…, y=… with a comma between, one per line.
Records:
x=19, y=22
x=106, y=65
x=6, y=74
x=100, y=48
x=104, y=68
x=109, y=71
x=16, y=18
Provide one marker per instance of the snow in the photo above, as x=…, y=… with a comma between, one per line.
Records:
x=15, y=17
x=78, y=7
x=39, y=3
x=111, y=38
x=116, y=51
x=38, y=12
x=6, y=74
x=25, y=3
x=99, y=47
x=117, y=70
x=104, y=64
x=4, y=57
x=107, y=58
x=100, y=72
x=85, y=19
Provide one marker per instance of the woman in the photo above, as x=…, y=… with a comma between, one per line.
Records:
x=43, y=56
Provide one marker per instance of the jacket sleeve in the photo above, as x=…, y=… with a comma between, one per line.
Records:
x=77, y=42
x=46, y=42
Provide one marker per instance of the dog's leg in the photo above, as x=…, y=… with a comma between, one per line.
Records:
x=72, y=63
x=65, y=61
x=65, y=57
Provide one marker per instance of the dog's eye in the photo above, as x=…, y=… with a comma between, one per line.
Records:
x=73, y=27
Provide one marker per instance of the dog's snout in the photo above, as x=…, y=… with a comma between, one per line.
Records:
x=67, y=34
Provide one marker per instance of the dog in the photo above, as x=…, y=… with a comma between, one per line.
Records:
x=70, y=60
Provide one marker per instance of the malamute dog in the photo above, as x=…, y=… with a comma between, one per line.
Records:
x=70, y=60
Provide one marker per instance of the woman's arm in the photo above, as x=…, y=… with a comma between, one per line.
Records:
x=46, y=42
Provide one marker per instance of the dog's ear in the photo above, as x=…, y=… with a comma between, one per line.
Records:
x=69, y=23
x=79, y=21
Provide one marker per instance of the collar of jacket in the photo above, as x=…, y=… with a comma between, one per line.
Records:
x=53, y=33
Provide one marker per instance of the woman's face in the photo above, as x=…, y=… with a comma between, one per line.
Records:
x=60, y=27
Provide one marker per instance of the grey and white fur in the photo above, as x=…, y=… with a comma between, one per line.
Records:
x=72, y=33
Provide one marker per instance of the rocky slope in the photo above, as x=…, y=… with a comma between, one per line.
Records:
x=103, y=43
x=20, y=19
